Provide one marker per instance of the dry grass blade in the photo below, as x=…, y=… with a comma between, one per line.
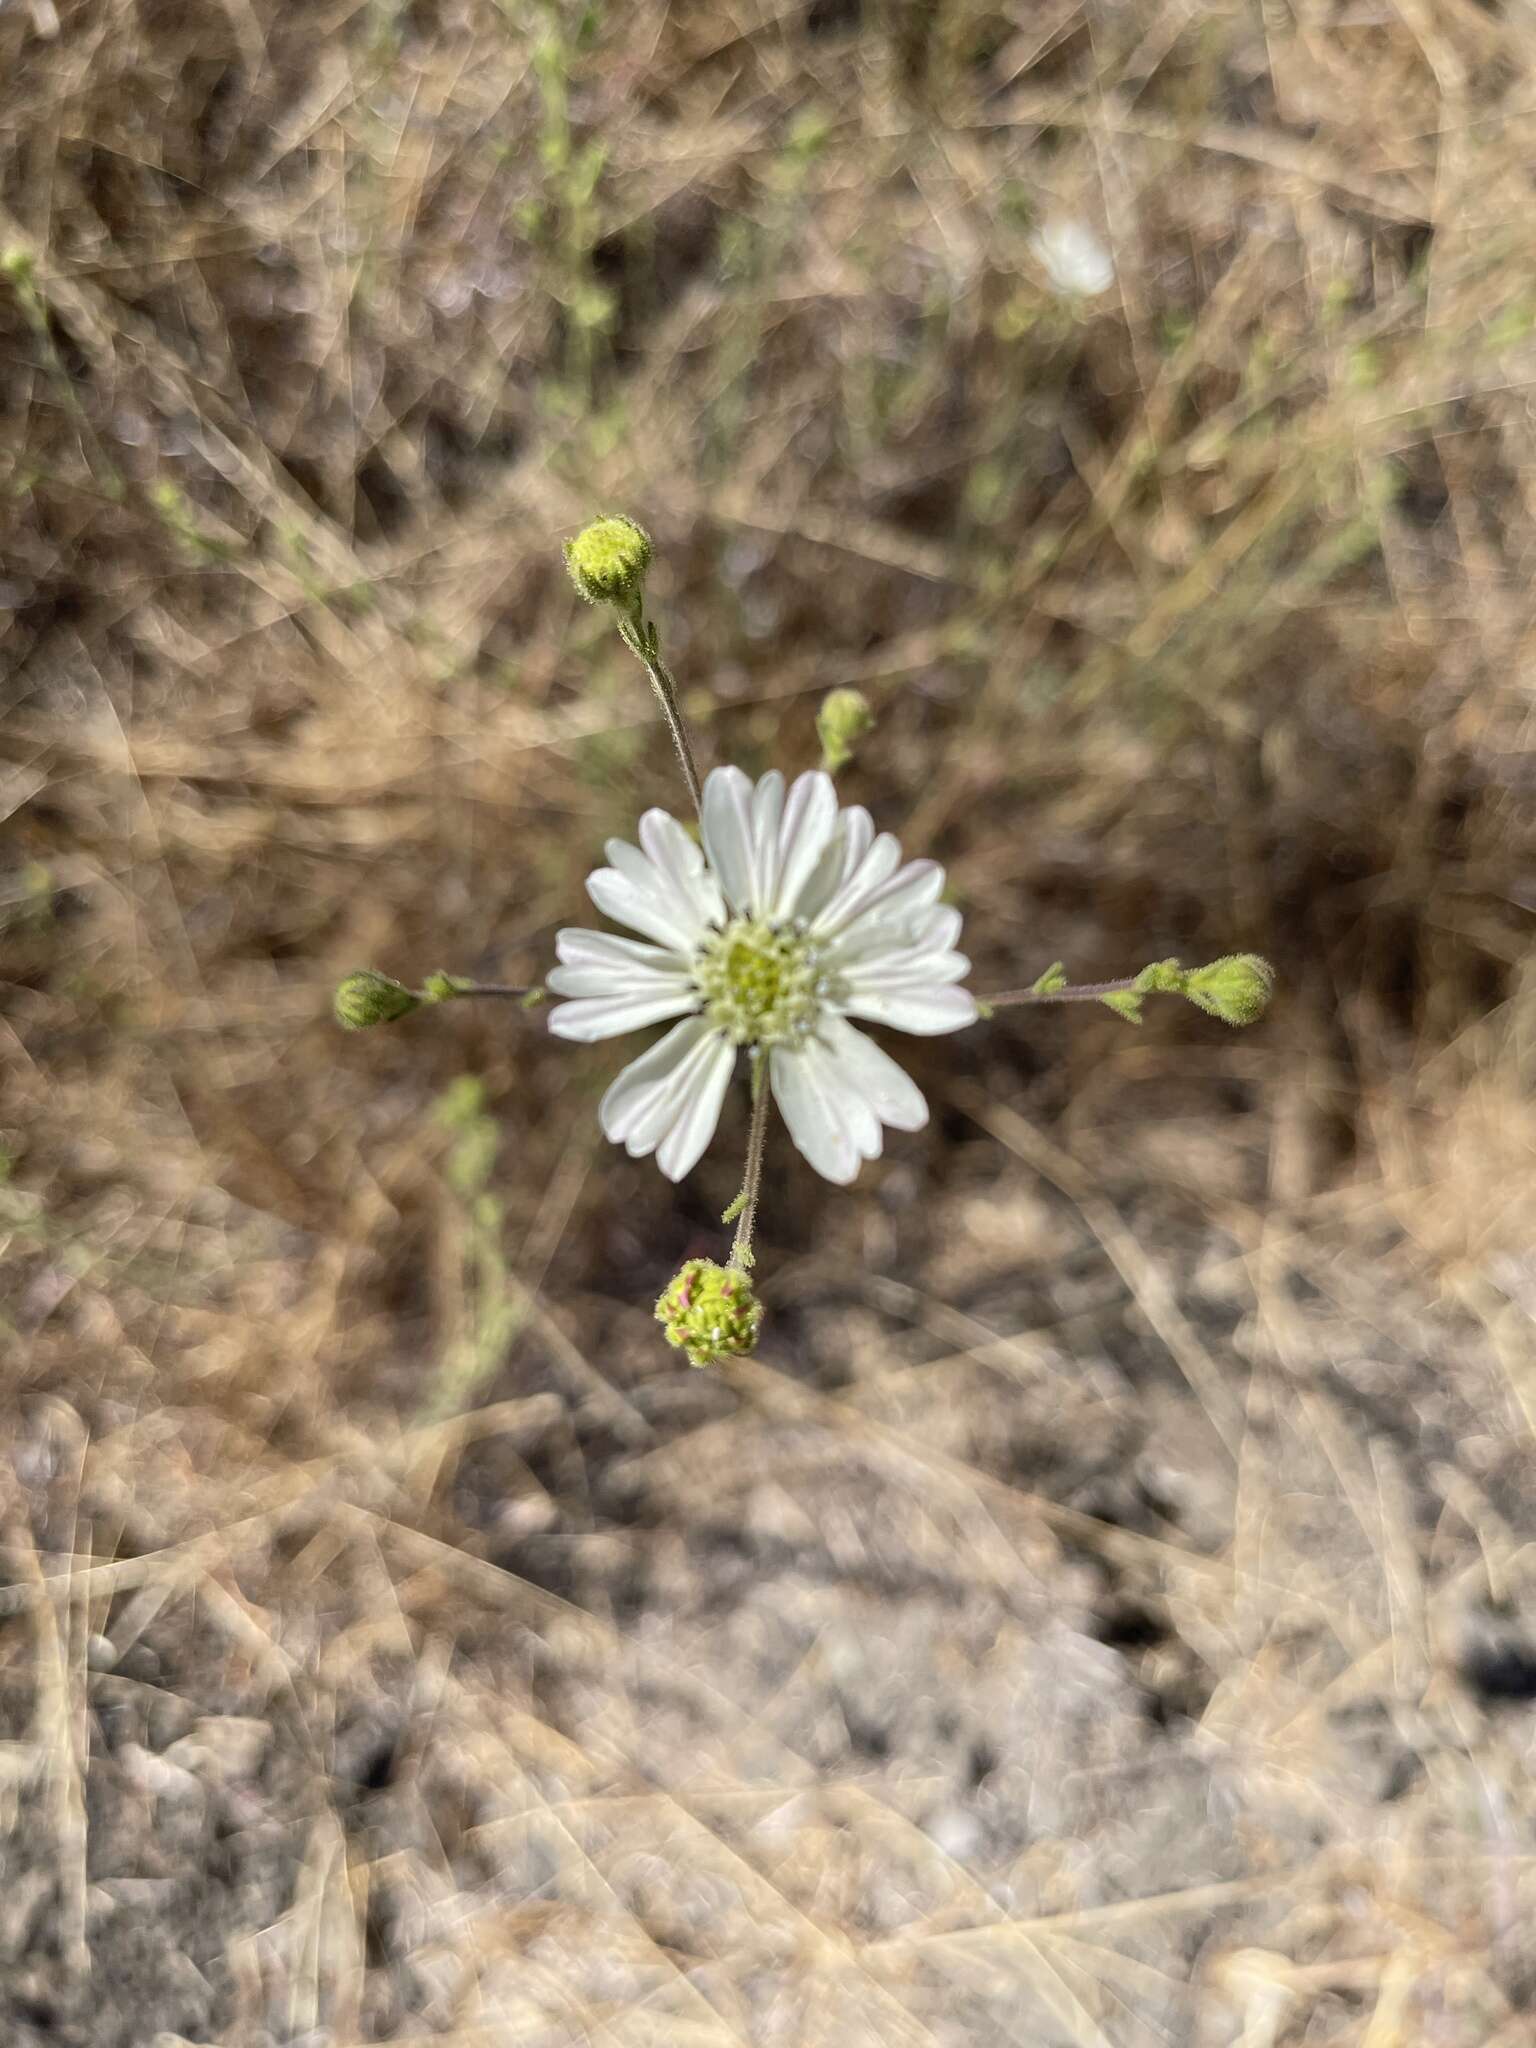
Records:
x=1103, y=1612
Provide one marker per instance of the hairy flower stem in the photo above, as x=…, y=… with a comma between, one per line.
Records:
x=448, y=988
x=1069, y=992
x=495, y=988
x=752, y=1178
x=639, y=636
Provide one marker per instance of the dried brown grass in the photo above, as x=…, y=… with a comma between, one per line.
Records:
x=1103, y=1614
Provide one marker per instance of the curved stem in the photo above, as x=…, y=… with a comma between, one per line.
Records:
x=752, y=1178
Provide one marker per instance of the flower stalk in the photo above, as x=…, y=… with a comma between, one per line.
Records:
x=1236, y=988
x=779, y=926
x=639, y=636
x=744, y=1208
x=608, y=561
x=366, y=997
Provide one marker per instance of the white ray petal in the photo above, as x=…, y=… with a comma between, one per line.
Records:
x=699, y=1112
x=668, y=1101
x=929, y=932
x=578, y=947
x=851, y=839
x=831, y=1125
x=640, y=1101
x=598, y=964
x=767, y=813
x=638, y=900
x=590, y=1018
x=897, y=903
x=805, y=832
x=871, y=874
x=925, y=1012
x=910, y=969
x=865, y=1069
x=616, y=981
x=727, y=827
x=679, y=861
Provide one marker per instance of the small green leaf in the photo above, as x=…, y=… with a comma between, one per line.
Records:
x=1125, y=1003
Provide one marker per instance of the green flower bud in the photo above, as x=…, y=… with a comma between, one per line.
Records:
x=844, y=718
x=1236, y=988
x=608, y=561
x=710, y=1312
x=367, y=998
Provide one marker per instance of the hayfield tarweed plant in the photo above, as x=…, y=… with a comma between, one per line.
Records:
x=768, y=929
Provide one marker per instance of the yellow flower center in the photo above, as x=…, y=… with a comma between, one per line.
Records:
x=761, y=982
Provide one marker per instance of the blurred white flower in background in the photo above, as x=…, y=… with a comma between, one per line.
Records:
x=1073, y=258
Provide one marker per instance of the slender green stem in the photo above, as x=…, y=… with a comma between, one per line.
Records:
x=639, y=636
x=1069, y=992
x=752, y=1178
x=448, y=988
x=494, y=988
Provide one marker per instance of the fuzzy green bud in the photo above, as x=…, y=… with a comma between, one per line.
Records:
x=844, y=718
x=710, y=1312
x=608, y=561
x=1236, y=988
x=367, y=998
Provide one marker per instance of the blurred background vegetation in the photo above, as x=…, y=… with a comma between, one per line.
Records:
x=1103, y=1613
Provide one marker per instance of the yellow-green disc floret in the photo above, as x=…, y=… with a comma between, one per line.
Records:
x=762, y=983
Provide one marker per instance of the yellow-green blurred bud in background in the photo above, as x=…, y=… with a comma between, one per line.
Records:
x=608, y=561
x=843, y=720
x=710, y=1312
x=366, y=998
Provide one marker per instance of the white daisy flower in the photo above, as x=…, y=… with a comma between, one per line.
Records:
x=794, y=917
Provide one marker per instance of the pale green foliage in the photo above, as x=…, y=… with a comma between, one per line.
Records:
x=495, y=1305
